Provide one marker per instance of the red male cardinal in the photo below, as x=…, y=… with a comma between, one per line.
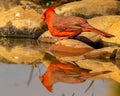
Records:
x=68, y=26
x=67, y=73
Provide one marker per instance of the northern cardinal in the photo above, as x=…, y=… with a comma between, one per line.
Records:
x=68, y=26
x=67, y=73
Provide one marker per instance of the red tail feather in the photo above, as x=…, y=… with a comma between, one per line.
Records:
x=107, y=35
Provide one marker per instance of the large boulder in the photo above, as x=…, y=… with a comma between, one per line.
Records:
x=90, y=8
x=20, y=21
x=103, y=22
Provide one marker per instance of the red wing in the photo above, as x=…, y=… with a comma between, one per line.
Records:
x=66, y=27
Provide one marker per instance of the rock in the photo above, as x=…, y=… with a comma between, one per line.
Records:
x=103, y=22
x=115, y=30
x=118, y=55
x=20, y=21
x=48, y=38
x=35, y=1
x=7, y=4
x=107, y=24
x=98, y=0
x=86, y=37
x=70, y=47
x=89, y=9
x=91, y=36
x=91, y=39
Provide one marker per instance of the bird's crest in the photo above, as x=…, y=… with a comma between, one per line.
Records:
x=51, y=8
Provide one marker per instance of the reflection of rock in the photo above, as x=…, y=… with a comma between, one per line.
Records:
x=20, y=54
x=20, y=22
x=70, y=47
x=92, y=62
x=20, y=51
x=67, y=73
x=96, y=65
x=115, y=30
x=114, y=88
x=100, y=66
x=48, y=58
x=106, y=53
x=98, y=60
x=90, y=8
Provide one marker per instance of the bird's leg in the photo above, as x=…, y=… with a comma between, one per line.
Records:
x=75, y=64
x=75, y=35
x=62, y=38
x=71, y=37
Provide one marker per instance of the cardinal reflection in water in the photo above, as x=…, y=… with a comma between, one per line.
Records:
x=67, y=73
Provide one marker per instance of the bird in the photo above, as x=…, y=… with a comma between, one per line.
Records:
x=67, y=73
x=68, y=26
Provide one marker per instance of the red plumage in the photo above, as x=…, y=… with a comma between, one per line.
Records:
x=68, y=26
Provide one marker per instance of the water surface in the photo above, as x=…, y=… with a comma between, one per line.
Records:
x=23, y=61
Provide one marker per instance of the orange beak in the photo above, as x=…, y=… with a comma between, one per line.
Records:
x=43, y=17
x=41, y=78
x=47, y=84
x=42, y=23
